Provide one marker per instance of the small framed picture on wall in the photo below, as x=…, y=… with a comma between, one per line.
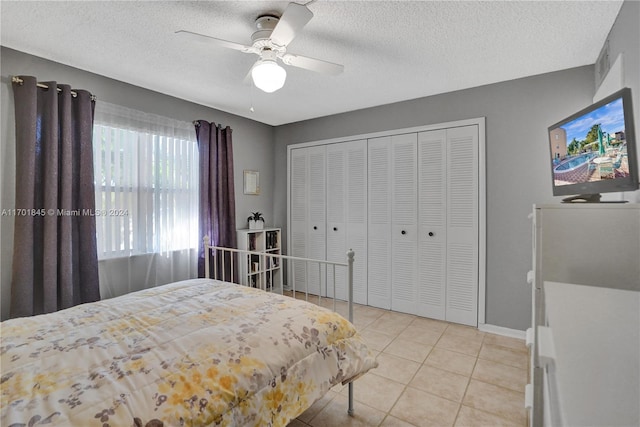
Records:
x=251, y=182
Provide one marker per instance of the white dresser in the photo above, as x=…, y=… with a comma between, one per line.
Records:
x=585, y=282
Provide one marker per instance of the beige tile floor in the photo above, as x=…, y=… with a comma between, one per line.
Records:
x=431, y=373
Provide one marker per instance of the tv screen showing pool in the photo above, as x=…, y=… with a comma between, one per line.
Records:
x=591, y=147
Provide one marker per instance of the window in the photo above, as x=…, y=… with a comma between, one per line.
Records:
x=146, y=179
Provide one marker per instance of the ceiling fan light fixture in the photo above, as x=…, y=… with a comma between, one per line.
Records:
x=268, y=76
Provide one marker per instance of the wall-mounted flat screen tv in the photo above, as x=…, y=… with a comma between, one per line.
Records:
x=594, y=150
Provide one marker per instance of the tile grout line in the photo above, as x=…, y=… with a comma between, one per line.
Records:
x=468, y=383
x=412, y=378
x=388, y=413
x=485, y=382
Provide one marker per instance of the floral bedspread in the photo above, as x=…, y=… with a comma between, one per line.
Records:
x=193, y=353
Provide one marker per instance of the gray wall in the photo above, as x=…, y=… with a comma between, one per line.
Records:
x=517, y=115
x=624, y=38
x=253, y=141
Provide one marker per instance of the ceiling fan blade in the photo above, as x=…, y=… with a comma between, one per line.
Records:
x=294, y=18
x=218, y=42
x=312, y=64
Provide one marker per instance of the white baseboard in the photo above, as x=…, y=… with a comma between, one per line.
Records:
x=500, y=330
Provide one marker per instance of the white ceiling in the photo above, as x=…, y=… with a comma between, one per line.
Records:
x=391, y=50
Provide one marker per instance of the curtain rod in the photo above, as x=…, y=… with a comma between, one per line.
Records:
x=18, y=80
x=197, y=123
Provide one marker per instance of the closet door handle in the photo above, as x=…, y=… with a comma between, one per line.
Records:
x=403, y=232
x=431, y=234
x=335, y=228
x=315, y=227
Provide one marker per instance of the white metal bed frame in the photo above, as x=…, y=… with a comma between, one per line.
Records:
x=222, y=251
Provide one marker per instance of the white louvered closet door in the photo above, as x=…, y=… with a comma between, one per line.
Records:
x=462, y=225
x=316, y=224
x=379, y=222
x=336, y=218
x=356, y=224
x=346, y=216
x=299, y=200
x=432, y=223
x=404, y=230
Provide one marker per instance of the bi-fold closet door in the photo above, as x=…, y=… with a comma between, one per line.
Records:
x=392, y=220
x=462, y=225
x=307, y=217
x=423, y=223
x=328, y=203
x=407, y=204
x=346, y=216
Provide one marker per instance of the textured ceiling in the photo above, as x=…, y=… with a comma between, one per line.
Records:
x=391, y=50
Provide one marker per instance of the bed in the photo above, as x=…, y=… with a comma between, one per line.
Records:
x=193, y=353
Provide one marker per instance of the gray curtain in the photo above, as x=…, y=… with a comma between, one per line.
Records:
x=217, y=192
x=55, y=262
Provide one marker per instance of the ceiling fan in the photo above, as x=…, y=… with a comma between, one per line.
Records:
x=270, y=43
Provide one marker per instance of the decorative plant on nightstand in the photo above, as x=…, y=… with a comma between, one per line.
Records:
x=256, y=221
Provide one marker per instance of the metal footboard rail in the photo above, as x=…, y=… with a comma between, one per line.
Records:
x=222, y=252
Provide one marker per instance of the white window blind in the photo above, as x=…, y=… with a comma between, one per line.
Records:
x=146, y=179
